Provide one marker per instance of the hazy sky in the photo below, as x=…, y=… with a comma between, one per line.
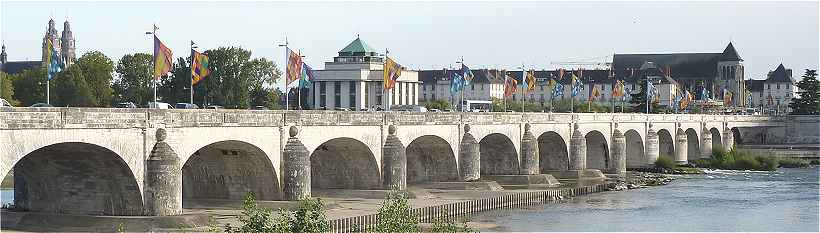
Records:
x=424, y=35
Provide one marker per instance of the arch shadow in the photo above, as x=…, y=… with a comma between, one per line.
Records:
x=635, y=156
x=344, y=163
x=76, y=178
x=597, y=151
x=498, y=155
x=692, y=144
x=430, y=159
x=229, y=170
x=666, y=143
x=552, y=153
x=738, y=140
x=717, y=138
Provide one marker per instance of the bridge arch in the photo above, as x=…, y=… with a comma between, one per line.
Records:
x=597, y=151
x=666, y=143
x=717, y=138
x=228, y=170
x=737, y=136
x=552, y=152
x=76, y=178
x=430, y=158
x=498, y=155
x=692, y=144
x=635, y=156
x=344, y=163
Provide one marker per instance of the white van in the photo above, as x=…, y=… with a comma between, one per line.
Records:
x=159, y=105
x=4, y=103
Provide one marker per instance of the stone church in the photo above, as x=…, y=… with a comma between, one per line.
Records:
x=64, y=44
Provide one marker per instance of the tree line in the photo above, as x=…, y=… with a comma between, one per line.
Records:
x=236, y=81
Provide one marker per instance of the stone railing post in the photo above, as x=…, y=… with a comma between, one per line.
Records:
x=706, y=144
x=577, y=150
x=681, y=147
x=618, y=163
x=296, y=168
x=469, y=159
x=163, y=179
x=652, y=146
x=394, y=162
x=529, y=153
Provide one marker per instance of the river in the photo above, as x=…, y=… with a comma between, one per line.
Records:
x=783, y=200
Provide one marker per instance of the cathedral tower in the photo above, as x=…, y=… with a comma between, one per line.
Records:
x=67, y=46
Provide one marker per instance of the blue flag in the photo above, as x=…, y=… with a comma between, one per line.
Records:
x=307, y=76
x=456, y=83
x=558, y=90
x=627, y=92
x=54, y=63
x=466, y=74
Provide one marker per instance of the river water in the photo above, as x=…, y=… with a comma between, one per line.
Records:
x=783, y=200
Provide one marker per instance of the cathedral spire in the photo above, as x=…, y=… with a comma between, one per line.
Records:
x=67, y=45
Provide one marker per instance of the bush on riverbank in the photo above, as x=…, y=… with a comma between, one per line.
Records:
x=737, y=160
x=665, y=162
x=793, y=163
x=815, y=162
x=308, y=218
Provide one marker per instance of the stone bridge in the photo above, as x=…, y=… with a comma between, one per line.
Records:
x=148, y=161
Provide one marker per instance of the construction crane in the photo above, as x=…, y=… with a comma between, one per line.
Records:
x=589, y=62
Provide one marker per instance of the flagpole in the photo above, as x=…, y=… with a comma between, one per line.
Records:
x=299, y=86
x=154, y=67
x=285, y=91
x=48, y=94
x=192, y=74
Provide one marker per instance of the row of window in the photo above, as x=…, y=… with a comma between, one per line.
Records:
x=376, y=86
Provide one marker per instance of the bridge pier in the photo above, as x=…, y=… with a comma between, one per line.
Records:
x=394, y=162
x=652, y=146
x=469, y=159
x=529, y=153
x=681, y=147
x=618, y=163
x=706, y=144
x=728, y=139
x=577, y=151
x=296, y=170
x=163, y=178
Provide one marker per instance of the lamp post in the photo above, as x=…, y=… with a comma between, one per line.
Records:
x=153, y=65
x=286, y=72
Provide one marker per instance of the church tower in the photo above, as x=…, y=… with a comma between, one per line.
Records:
x=3, y=55
x=730, y=75
x=67, y=52
x=51, y=34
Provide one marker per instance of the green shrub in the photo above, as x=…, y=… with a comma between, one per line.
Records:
x=815, y=162
x=665, y=162
x=793, y=163
x=308, y=218
x=701, y=163
x=746, y=163
x=449, y=226
x=394, y=215
x=767, y=163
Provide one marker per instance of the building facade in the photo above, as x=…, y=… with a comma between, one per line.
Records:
x=436, y=86
x=775, y=92
x=354, y=80
x=64, y=45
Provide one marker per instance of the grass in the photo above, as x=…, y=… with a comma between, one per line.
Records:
x=793, y=163
x=738, y=160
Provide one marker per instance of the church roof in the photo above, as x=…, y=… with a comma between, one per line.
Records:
x=755, y=85
x=730, y=54
x=14, y=67
x=780, y=75
x=356, y=47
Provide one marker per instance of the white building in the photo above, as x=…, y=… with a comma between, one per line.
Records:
x=775, y=92
x=353, y=80
x=436, y=86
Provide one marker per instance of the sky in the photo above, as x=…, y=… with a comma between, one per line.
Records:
x=433, y=35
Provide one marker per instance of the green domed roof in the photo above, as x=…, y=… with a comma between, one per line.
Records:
x=357, y=48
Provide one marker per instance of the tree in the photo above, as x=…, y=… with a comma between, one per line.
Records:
x=439, y=104
x=237, y=81
x=638, y=100
x=808, y=102
x=70, y=89
x=176, y=88
x=30, y=86
x=134, y=81
x=7, y=88
x=98, y=71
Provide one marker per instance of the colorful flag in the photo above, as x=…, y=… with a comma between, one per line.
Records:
x=53, y=61
x=627, y=94
x=551, y=83
x=561, y=73
x=163, y=58
x=307, y=76
x=510, y=85
x=456, y=82
x=558, y=90
x=727, y=97
x=529, y=81
x=392, y=71
x=576, y=84
x=467, y=74
x=293, y=68
x=593, y=93
x=618, y=88
x=650, y=90
x=199, y=67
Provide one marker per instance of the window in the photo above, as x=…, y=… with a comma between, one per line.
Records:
x=351, y=101
x=472, y=87
x=337, y=94
x=482, y=87
x=322, y=94
x=778, y=86
x=366, y=103
x=400, y=94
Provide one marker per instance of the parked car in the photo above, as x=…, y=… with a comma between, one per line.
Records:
x=159, y=105
x=259, y=108
x=186, y=106
x=126, y=105
x=4, y=103
x=213, y=107
x=41, y=105
x=342, y=109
